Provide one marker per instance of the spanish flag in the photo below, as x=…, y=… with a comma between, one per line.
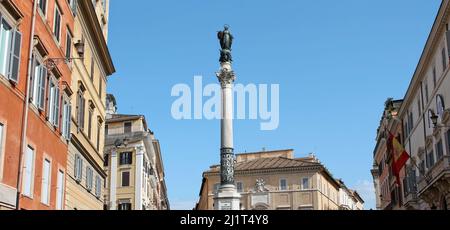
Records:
x=399, y=155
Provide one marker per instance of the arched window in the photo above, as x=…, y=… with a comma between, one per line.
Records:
x=440, y=106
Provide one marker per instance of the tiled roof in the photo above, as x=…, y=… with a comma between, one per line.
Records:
x=270, y=163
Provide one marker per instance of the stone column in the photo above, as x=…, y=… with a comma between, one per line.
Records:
x=227, y=197
x=113, y=180
x=138, y=177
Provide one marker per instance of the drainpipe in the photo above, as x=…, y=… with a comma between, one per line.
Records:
x=27, y=99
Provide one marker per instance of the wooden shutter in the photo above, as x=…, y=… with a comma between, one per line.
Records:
x=41, y=87
x=13, y=73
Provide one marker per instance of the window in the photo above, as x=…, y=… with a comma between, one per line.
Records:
x=427, y=96
x=43, y=6
x=106, y=160
x=38, y=84
x=78, y=168
x=126, y=158
x=106, y=130
x=305, y=184
x=73, y=6
x=430, y=160
x=127, y=127
x=81, y=104
x=124, y=206
x=45, y=190
x=67, y=109
x=430, y=122
x=448, y=142
x=89, y=178
x=99, y=128
x=53, y=102
x=10, y=48
x=92, y=67
x=419, y=107
x=444, y=60
x=104, y=5
x=125, y=179
x=434, y=77
x=283, y=184
x=239, y=187
x=60, y=190
x=57, y=24
x=440, y=106
x=98, y=186
x=100, y=86
x=68, y=45
x=27, y=184
x=91, y=113
x=439, y=150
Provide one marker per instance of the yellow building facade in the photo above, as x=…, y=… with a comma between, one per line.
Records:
x=92, y=65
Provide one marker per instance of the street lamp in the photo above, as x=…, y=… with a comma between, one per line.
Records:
x=51, y=63
x=434, y=119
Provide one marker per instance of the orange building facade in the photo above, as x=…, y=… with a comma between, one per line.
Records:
x=35, y=101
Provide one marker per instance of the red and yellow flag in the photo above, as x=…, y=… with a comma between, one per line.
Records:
x=399, y=154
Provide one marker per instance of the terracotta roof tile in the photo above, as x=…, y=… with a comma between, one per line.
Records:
x=270, y=163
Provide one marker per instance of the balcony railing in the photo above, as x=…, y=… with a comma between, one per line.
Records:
x=440, y=167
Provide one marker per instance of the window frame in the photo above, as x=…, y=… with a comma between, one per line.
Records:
x=49, y=179
x=60, y=201
x=122, y=180
x=280, y=187
x=2, y=147
x=57, y=11
x=32, y=172
x=303, y=183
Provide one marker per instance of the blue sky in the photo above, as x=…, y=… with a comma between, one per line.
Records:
x=336, y=63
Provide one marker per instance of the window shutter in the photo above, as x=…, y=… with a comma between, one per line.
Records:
x=13, y=73
x=32, y=78
x=69, y=114
x=41, y=93
x=75, y=168
x=57, y=106
x=83, y=107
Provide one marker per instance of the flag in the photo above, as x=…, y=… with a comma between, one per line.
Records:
x=399, y=156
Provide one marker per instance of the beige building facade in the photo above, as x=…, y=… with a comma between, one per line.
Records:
x=423, y=127
x=90, y=69
x=276, y=180
x=133, y=163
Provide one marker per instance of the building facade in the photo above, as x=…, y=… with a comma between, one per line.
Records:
x=133, y=164
x=90, y=69
x=34, y=86
x=422, y=124
x=276, y=181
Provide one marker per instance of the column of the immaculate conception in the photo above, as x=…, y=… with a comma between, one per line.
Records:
x=227, y=198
